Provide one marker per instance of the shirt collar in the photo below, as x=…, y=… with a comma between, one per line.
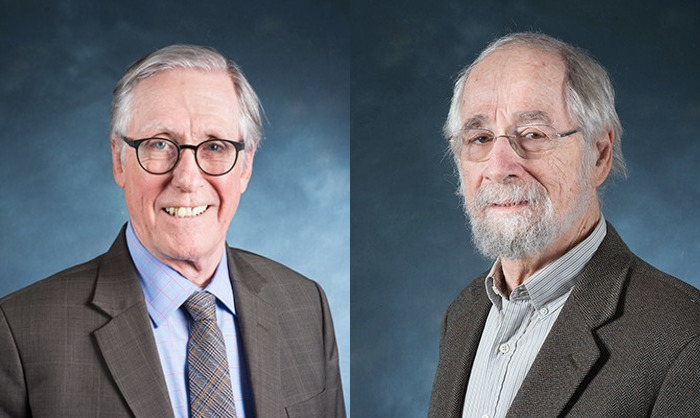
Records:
x=554, y=280
x=165, y=289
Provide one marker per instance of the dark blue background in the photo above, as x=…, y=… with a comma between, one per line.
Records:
x=411, y=251
x=59, y=62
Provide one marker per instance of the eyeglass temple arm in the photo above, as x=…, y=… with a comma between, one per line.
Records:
x=565, y=134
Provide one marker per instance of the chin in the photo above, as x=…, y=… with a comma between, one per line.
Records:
x=187, y=248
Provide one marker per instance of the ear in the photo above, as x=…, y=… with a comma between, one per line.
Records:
x=117, y=166
x=604, y=157
x=246, y=170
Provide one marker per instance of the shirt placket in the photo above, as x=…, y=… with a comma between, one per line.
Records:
x=515, y=318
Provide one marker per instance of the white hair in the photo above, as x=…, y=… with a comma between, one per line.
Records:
x=589, y=98
x=187, y=57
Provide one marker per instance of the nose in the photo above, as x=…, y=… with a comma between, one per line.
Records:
x=504, y=163
x=186, y=175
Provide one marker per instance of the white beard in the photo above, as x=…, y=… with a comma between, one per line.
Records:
x=525, y=233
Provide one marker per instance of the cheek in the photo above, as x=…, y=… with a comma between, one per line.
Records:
x=228, y=193
x=562, y=171
x=470, y=181
x=141, y=193
x=562, y=181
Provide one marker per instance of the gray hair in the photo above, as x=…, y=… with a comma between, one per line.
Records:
x=187, y=57
x=589, y=98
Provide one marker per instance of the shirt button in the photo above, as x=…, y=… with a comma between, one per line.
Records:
x=544, y=312
x=504, y=348
x=484, y=416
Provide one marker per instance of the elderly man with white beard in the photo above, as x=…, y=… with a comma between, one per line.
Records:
x=568, y=321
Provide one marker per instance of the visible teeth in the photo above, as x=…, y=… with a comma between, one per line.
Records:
x=199, y=209
x=186, y=212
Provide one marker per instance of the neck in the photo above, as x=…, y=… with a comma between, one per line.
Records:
x=516, y=271
x=200, y=271
x=196, y=265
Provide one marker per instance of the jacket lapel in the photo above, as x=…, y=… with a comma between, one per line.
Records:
x=257, y=321
x=126, y=341
x=462, y=329
x=571, y=352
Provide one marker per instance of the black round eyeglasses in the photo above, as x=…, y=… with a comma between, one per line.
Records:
x=214, y=157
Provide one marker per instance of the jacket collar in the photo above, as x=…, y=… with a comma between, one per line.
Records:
x=257, y=321
x=126, y=341
x=571, y=349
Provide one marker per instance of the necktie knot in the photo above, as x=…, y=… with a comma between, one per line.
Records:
x=201, y=306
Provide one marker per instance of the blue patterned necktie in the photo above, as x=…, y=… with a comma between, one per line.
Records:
x=207, y=366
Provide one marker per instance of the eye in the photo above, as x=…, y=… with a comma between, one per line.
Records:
x=213, y=147
x=158, y=145
x=478, y=137
x=532, y=134
x=216, y=148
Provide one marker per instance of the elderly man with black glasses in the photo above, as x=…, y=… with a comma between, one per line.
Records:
x=171, y=322
x=568, y=321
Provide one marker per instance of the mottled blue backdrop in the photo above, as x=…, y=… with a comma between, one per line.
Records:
x=411, y=251
x=60, y=60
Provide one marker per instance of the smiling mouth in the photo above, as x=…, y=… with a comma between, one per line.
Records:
x=185, y=212
x=509, y=205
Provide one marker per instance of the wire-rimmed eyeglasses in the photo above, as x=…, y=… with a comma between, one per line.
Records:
x=214, y=157
x=528, y=141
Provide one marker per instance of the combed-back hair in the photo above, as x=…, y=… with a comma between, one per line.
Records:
x=187, y=57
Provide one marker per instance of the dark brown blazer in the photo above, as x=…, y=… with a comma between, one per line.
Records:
x=80, y=343
x=626, y=344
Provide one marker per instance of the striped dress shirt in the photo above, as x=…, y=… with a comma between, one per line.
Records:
x=517, y=326
x=165, y=291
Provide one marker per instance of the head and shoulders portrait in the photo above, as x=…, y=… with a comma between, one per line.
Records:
x=551, y=284
x=171, y=319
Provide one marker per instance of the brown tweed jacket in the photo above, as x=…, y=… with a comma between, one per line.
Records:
x=79, y=344
x=626, y=344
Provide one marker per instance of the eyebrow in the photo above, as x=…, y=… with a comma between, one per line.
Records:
x=477, y=121
x=162, y=130
x=170, y=133
x=531, y=116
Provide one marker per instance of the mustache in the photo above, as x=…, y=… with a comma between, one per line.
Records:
x=508, y=194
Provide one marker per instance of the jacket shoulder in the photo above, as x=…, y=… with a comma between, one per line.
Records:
x=271, y=278
x=268, y=268
x=671, y=299
x=76, y=282
x=651, y=276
